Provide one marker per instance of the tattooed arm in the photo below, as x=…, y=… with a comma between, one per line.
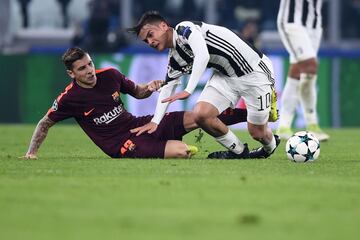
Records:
x=38, y=137
x=145, y=90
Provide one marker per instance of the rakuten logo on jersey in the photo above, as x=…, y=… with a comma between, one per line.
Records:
x=109, y=116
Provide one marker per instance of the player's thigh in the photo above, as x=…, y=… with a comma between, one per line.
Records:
x=316, y=36
x=171, y=126
x=143, y=146
x=297, y=42
x=219, y=93
x=258, y=103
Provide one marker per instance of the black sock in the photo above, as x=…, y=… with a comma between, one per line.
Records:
x=232, y=116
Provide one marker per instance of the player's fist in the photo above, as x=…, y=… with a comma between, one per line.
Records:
x=155, y=85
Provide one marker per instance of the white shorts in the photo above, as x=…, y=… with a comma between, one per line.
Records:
x=300, y=42
x=255, y=88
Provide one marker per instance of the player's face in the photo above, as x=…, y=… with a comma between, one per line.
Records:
x=156, y=35
x=83, y=72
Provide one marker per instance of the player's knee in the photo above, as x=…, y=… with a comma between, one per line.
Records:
x=309, y=66
x=205, y=113
x=294, y=71
x=182, y=152
x=176, y=149
x=189, y=121
x=311, y=69
x=201, y=118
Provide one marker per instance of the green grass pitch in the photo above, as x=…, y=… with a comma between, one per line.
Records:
x=74, y=191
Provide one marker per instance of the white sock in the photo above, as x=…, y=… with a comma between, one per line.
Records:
x=270, y=146
x=308, y=97
x=231, y=142
x=289, y=101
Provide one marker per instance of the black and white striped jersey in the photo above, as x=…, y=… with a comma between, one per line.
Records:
x=301, y=12
x=226, y=51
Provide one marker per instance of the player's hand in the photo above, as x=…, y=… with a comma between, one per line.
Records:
x=155, y=85
x=29, y=156
x=149, y=128
x=177, y=96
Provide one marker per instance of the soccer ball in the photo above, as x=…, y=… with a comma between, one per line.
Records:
x=303, y=147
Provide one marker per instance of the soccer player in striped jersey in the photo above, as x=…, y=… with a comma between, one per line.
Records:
x=240, y=70
x=300, y=29
x=93, y=99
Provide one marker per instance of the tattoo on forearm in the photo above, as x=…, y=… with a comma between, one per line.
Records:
x=40, y=134
x=143, y=91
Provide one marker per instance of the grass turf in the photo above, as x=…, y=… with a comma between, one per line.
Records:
x=74, y=191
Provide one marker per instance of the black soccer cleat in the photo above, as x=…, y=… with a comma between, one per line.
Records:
x=261, y=153
x=229, y=154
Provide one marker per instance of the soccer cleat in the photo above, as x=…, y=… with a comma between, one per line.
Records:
x=317, y=132
x=229, y=154
x=273, y=117
x=192, y=150
x=274, y=113
x=284, y=133
x=261, y=153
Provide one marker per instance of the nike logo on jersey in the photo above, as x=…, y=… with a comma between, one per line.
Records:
x=88, y=112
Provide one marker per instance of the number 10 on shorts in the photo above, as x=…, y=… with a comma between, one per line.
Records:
x=265, y=101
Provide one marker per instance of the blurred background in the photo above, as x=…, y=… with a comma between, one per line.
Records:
x=35, y=33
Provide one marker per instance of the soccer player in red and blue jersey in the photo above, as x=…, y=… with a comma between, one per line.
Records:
x=93, y=98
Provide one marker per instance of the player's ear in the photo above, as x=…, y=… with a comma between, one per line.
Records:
x=70, y=73
x=163, y=25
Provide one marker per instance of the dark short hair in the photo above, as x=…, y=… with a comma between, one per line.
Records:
x=148, y=17
x=71, y=55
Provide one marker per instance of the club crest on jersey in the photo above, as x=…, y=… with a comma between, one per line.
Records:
x=184, y=31
x=116, y=96
x=55, y=105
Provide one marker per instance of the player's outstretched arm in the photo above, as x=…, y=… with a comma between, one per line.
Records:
x=38, y=137
x=145, y=90
x=201, y=58
x=160, y=110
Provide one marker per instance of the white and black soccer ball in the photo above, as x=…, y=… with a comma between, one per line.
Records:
x=303, y=147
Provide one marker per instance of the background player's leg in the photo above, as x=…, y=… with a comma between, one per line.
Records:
x=289, y=101
x=308, y=97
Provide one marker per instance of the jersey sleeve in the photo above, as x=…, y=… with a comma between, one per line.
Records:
x=166, y=91
x=126, y=85
x=191, y=34
x=185, y=29
x=60, y=110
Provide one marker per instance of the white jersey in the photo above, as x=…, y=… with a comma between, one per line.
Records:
x=197, y=46
x=228, y=53
x=306, y=13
